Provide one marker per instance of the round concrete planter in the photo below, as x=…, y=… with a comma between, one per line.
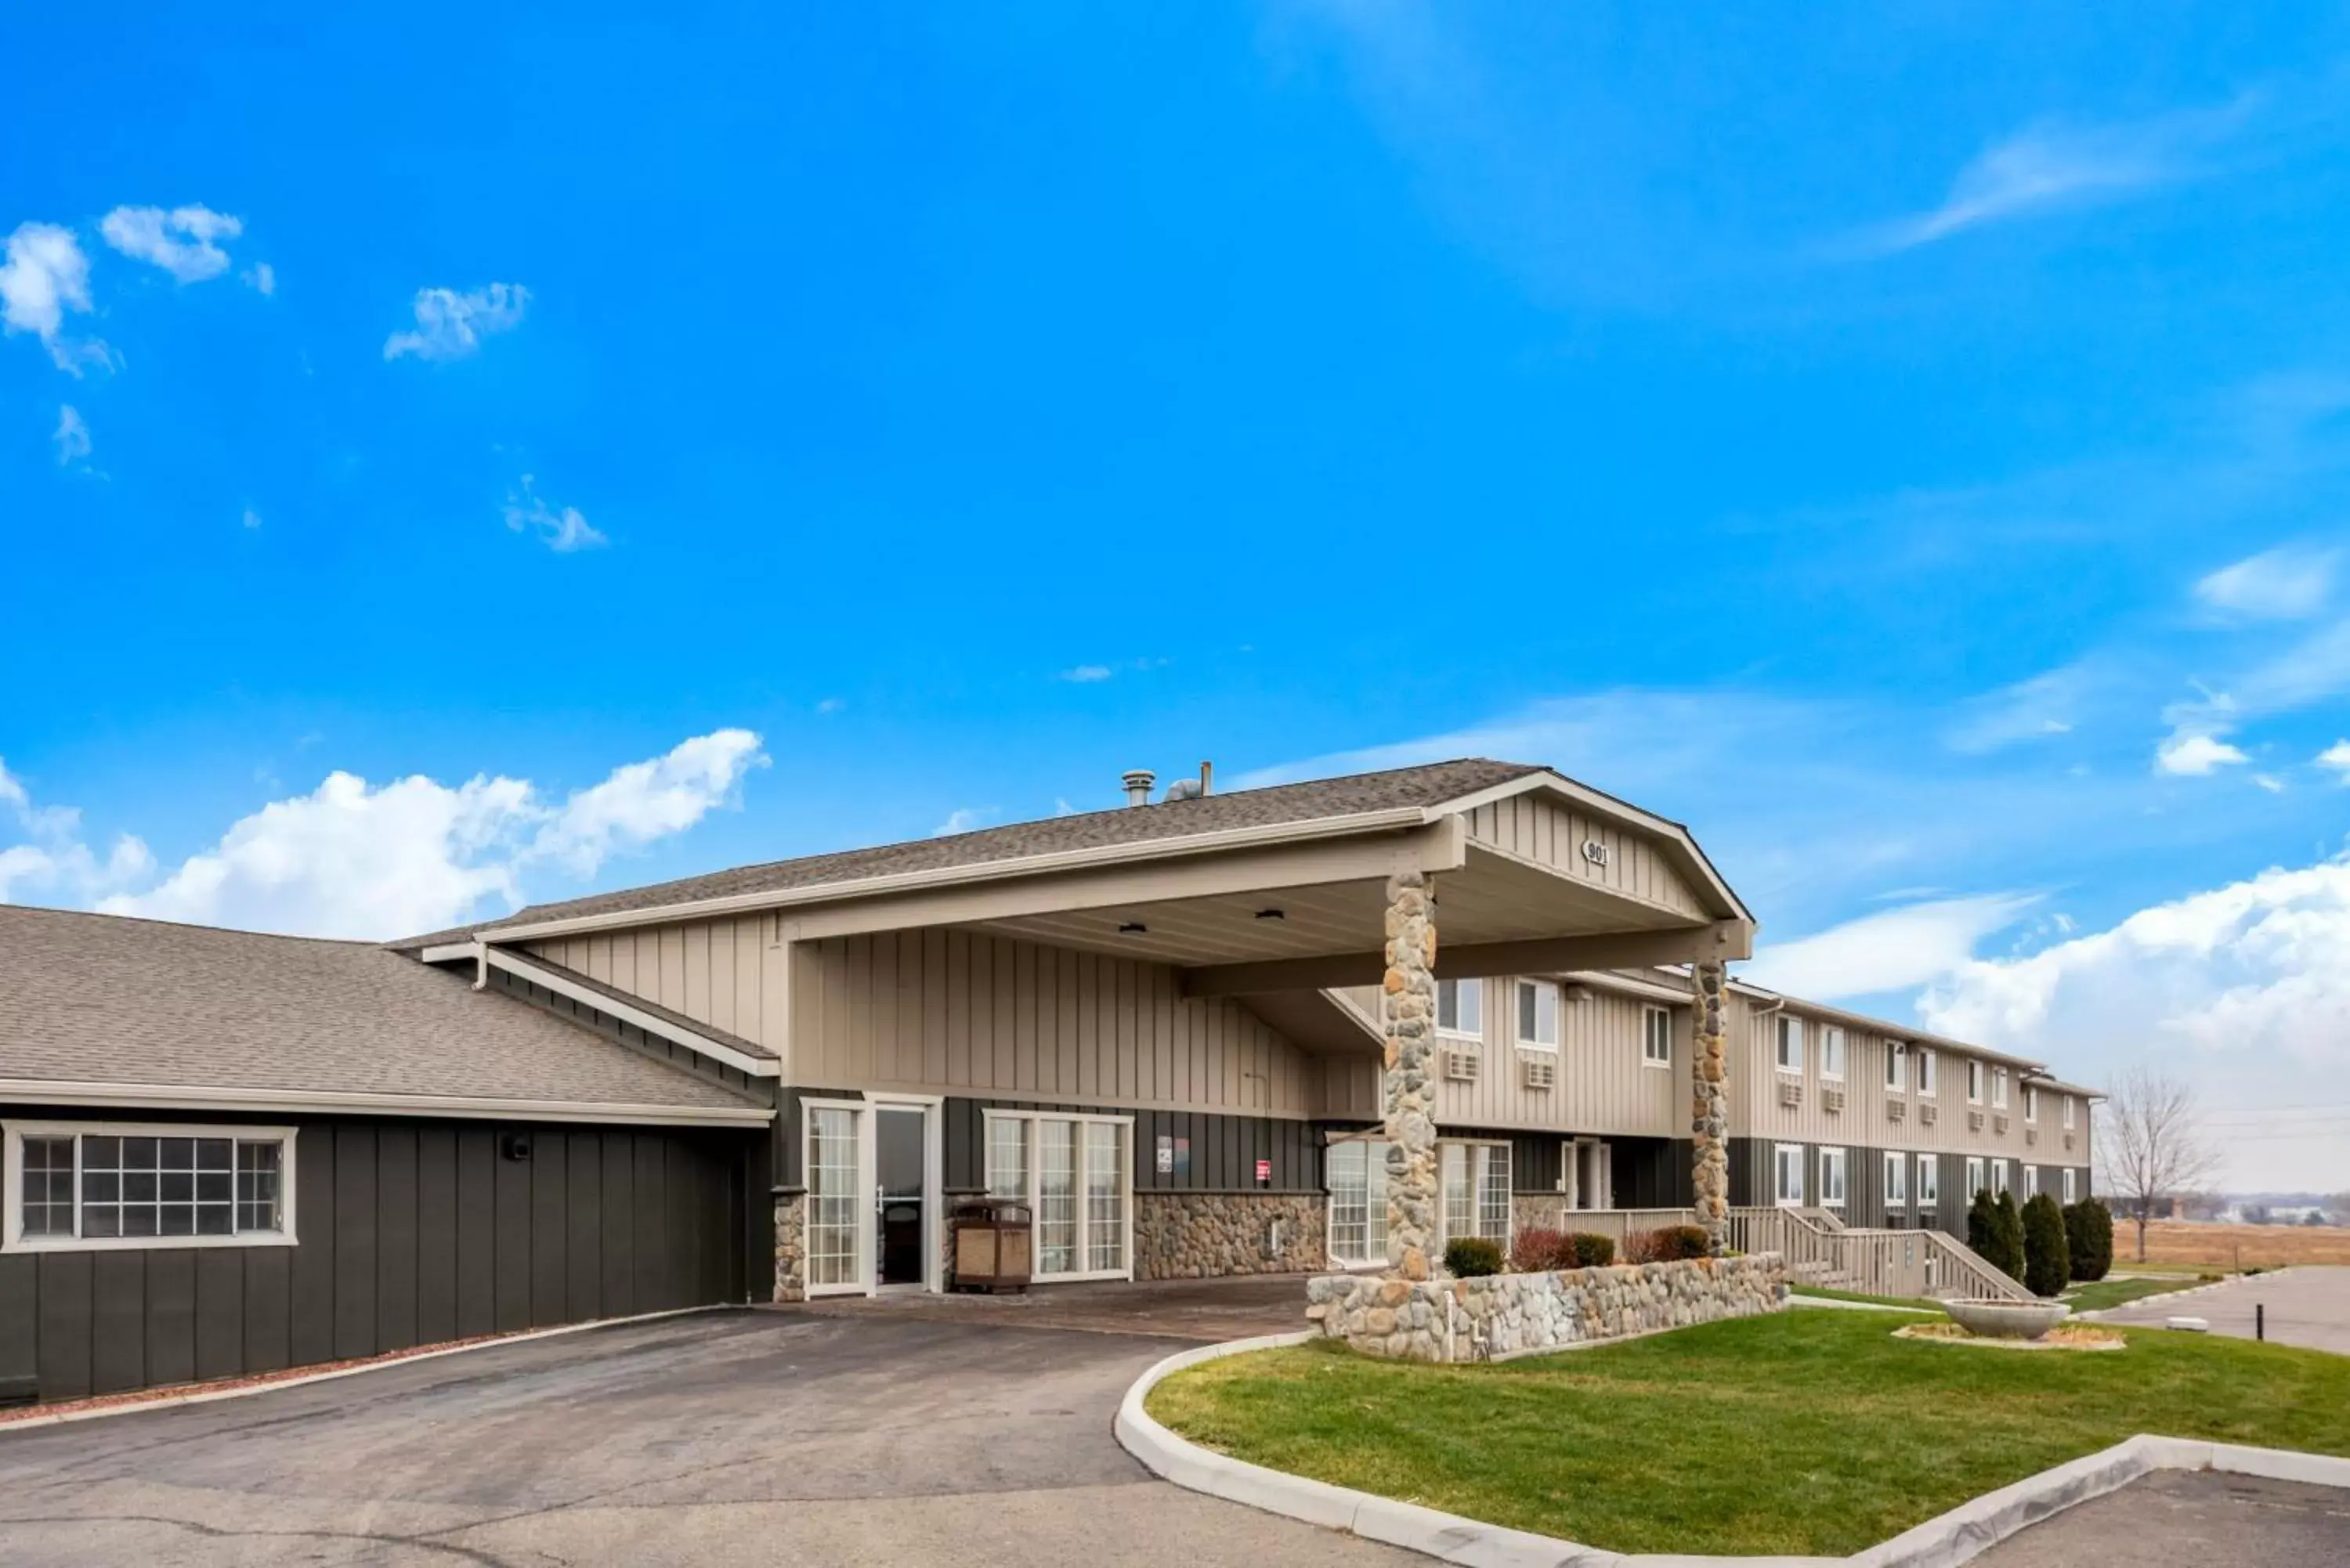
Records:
x=1996, y=1319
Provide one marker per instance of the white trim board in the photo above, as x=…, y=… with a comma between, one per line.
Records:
x=1952, y=1538
x=277, y=1102
x=523, y=967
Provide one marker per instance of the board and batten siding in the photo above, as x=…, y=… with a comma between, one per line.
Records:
x=939, y=1009
x=1552, y=834
x=407, y=1233
x=726, y=973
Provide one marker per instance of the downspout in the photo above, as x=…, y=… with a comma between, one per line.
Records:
x=481, y=964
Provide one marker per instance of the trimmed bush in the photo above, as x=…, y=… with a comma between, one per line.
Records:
x=1466, y=1257
x=1983, y=1223
x=1539, y=1250
x=2007, y=1238
x=2089, y=1236
x=2047, y=1256
x=1593, y=1251
x=1672, y=1244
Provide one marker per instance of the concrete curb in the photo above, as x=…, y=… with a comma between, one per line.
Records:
x=1944, y=1542
x=2098, y=1314
x=199, y=1395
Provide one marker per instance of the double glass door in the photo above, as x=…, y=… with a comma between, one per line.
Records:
x=871, y=1196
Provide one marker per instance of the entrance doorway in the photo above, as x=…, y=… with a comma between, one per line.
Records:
x=873, y=1220
x=901, y=1194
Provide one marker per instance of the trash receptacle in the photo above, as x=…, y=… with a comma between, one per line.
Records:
x=993, y=1242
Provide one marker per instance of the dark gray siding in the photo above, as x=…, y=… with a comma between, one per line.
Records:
x=411, y=1234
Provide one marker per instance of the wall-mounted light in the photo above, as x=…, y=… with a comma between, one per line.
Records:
x=1271, y=915
x=1132, y=929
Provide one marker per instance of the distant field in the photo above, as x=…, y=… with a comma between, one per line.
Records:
x=2229, y=1246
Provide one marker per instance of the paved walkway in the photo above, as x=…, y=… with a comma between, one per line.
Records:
x=2176, y=1518
x=741, y=1438
x=2307, y=1306
x=1208, y=1310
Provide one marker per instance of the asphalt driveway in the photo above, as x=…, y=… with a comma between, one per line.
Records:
x=738, y=1438
x=2306, y=1306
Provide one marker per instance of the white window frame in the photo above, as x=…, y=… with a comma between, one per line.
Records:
x=1478, y=1166
x=1927, y=1070
x=2064, y=1110
x=2071, y=1192
x=1832, y=1051
x=1998, y=1176
x=1781, y=1164
x=1375, y=1202
x=1930, y=1181
x=1976, y=1179
x=1975, y=1075
x=1471, y=993
x=2031, y=1182
x=1999, y=1089
x=12, y=1187
x=1790, y=1033
x=1833, y=1194
x=1081, y=1245
x=1897, y=1179
x=1897, y=1066
x=1656, y=1030
x=2030, y=1103
x=1539, y=989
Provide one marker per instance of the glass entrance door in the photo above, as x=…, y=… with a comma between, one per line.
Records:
x=901, y=1141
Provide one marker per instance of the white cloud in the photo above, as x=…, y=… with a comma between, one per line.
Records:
x=2051, y=166
x=181, y=241
x=45, y=278
x=2193, y=755
x=49, y=857
x=361, y=860
x=260, y=277
x=562, y=529
x=2283, y=584
x=2270, y=783
x=72, y=436
x=2040, y=708
x=252, y=519
x=964, y=819
x=1891, y=950
x=832, y=705
x=2336, y=757
x=1085, y=674
x=451, y=326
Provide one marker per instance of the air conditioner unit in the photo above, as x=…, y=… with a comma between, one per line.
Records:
x=2068, y=1140
x=2032, y=1134
x=1538, y=1072
x=1831, y=1099
x=1896, y=1110
x=1999, y=1124
x=1791, y=1092
x=1460, y=1066
x=1929, y=1115
x=1974, y=1121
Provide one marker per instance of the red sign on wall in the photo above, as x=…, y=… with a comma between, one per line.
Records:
x=1264, y=1170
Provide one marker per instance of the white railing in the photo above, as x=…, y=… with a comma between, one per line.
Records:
x=1618, y=1225
x=1871, y=1261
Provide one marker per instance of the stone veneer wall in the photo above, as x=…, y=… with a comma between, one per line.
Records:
x=790, y=1247
x=1203, y=1235
x=1502, y=1315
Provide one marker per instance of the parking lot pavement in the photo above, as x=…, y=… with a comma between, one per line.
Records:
x=2176, y=1518
x=732, y=1438
x=2306, y=1306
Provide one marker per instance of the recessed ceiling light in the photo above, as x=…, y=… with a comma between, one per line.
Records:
x=1132, y=929
x=1271, y=915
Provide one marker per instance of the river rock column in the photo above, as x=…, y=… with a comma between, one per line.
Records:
x=1408, y=1016
x=1710, y=1106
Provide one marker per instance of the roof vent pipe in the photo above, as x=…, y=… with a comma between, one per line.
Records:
x=1207, y=778
x=1137, y=785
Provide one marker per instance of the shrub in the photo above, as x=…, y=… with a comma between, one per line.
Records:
x=2007, y=1238
x=1983, y=1223
x=2047, y=1256
x=2089, y=1236
x=1465, y=1257
x=1592, y=1252
x=1672, y=1244
x=1539, y=1250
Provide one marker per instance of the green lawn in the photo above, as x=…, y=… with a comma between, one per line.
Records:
x=1807, y=1432
x=2099, y=1295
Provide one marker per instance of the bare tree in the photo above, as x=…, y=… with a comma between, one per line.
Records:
x=2151, y=1149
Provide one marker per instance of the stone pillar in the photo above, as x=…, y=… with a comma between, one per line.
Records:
x=1408, y=1016
x=791, y=1244
x=1709, y=1104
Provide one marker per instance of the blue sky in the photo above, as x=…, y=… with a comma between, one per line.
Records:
x=1914, y=454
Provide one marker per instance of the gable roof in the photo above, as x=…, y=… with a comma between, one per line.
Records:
x=95, y=1000
x=1426, y=785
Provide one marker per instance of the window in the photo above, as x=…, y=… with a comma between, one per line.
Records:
x=1461, y=1007
x=1974, y=1080
x=1791, y=1043
x=1999, y=1089
x=1788, y=1161
x=2071, y=1192
x=2065, y=1109
x=1998, y=1176
x=1538, y=1015
x=1974, y=1177
x=2031, y=1182
x=836, y=1196
x=1897, y=1066
x=1926, y=1064
x=1831, y=1051
x=1358, y=1201
x=1071, y=1171
x=2031, y=1104
x=1832, y=1177
x=97, y=1186
x=1896, y=1181
x=1475, y=1187
x=1930, y=1181
x=1656, y=1037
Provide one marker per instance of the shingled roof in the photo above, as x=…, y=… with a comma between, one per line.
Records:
x=99, y=999
x=1428, y=784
